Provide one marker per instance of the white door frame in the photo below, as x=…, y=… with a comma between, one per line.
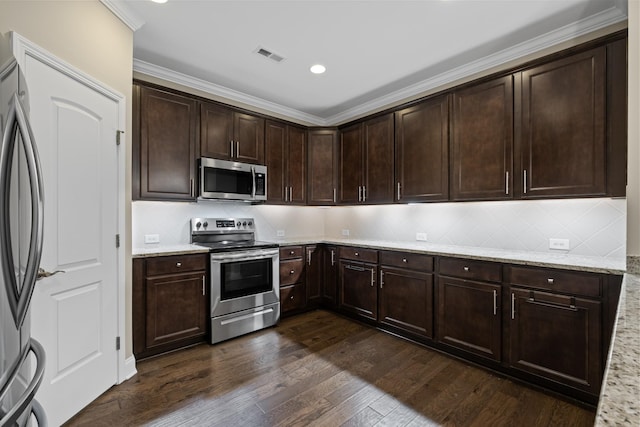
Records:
x=22, y=48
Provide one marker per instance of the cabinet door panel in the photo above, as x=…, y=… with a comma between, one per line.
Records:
x=176, y=308
x=216, y=131
x=422, y=151
x=358, y=293
x=406, y=300
x=275, y=154
x=330, y=276
x=469, y=316
x=296, y=164
x=482, y=143
x=322, y=164
x=557, y=337
x=378, y=160
x=248, y=134
x=314, y=275
x=563, y=126
x=350, y=164
x=167, y=145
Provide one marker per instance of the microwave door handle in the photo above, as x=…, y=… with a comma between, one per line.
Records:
x=253, y=182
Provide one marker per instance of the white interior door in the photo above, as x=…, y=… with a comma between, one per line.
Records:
x=75, y=314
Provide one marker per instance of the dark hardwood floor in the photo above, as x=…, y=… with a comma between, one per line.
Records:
x=324, y=370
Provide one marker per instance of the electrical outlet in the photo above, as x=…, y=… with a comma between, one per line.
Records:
x=562, y=244
x=280, y=233
x=421, y=237
x=151, y=238
x=345, y=232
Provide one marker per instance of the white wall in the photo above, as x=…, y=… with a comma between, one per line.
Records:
x=633, y=160
x=595, y=227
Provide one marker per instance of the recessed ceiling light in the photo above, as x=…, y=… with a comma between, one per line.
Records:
x=159, y=1
x=318, y=69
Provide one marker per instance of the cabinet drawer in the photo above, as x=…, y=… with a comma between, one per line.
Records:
x=406, y=260
x=360, y=254
x=570, y=282
x=292, y=297
x=467, y=269
x=176, y=264
x=291, y=271
x=290, y=252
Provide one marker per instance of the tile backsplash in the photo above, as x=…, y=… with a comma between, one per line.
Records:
x=594, y=227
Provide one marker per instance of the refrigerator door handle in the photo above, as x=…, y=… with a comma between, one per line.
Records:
x=19, y=297
x=27, y=397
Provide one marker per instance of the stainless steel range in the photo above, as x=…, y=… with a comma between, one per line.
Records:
x=245, y=277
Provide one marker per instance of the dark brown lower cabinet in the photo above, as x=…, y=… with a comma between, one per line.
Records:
x=314, y=275
x=556, y=337
x=292, y=297
x=170, y=303
x=406, y=300
x=293, y=289
x=357, y=289
x=330, y=281
x=469, y=316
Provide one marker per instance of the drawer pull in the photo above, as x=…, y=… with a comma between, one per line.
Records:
x=356, y=254
x=354, y=268
x=178, y=264
x=465, y=268
x=570, y=307
x=292, y=253
x=292, y=272
x=550, y=281
x=404, y=260
x=291, y=297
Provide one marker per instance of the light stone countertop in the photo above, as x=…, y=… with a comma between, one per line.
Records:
x=166, y=250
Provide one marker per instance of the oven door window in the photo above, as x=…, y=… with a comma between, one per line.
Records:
x=242, y=278
x=227, y=181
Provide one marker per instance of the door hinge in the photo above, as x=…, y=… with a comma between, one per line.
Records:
x=118, y=133
x=117, y=343
x=117, y=240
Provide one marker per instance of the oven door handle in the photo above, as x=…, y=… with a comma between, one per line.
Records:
x=244, y=255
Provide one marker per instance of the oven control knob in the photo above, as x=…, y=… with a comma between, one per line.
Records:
x=244, y=224
x=250, y=223
x=198, y=224
x=239, y=224
x=206, y=224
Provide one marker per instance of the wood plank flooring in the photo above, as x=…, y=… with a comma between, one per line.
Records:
x=320, y=369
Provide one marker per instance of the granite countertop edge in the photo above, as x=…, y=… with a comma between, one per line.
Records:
x=537, y=259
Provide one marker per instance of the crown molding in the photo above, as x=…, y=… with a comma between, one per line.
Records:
x=606, y=18
x=224, y=92
x=124, y=13
x=585, y=26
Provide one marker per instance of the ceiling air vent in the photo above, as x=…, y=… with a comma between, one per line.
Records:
x=268, y=54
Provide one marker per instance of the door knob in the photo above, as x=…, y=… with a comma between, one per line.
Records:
x=42, y=273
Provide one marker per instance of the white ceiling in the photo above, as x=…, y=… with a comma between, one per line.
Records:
x=376, y=52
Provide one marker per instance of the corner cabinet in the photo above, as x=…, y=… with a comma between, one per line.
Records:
x=227, y=134
x=170, y=303
x=164, y=145
x=322, y=164
x=286, y=159
x=366, y=162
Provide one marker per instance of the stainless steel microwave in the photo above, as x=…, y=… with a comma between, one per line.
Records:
x=222, y=179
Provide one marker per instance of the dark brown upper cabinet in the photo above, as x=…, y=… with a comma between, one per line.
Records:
x=563, y=127
x=164, y=145
x=285, y=157
x=366, y=162
x=482, y=141
x=322, y=177
x=422, y=152
x=227, y=134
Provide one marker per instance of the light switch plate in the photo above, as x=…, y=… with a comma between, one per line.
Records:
x=280, y=233
x=151, y=238
x=561, y=244
x=421, y=237
x=345, y=232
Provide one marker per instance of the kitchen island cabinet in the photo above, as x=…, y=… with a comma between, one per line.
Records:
x=170, y=303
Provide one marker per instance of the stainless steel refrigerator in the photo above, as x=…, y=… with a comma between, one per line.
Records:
x=21, y=222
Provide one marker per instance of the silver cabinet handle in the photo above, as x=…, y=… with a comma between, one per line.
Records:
x=495, y=302
x=506, y=182
x=17, y=123
x=191, y=191
x=334, y=194
x=513, y=306
x=292, y=272
x=291, y=194
x=550, y=281
x=333, y=259
x=398, y=190
x=359, y=193
x=524, y=182
x=381, y=278
x=309, y=257
x=178, y=264
x=203, y=286
x=404, y=260
x=286, y=194
x=364, y=193
x=231, y=142
x=292, y=252
x=356, y=254
x=465, y=268
x=373, y=277
x=354, y=268
x=237, y=149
